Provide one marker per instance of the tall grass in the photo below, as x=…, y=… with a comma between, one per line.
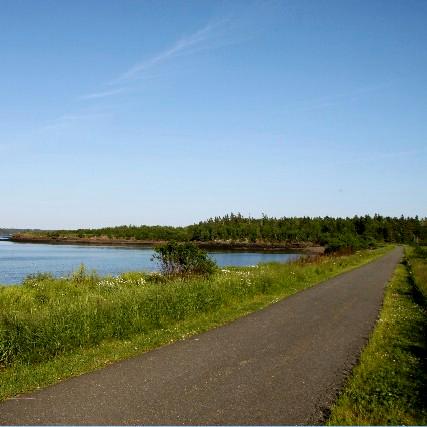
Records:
x=418, y=260
x=47, y=317
x=389, y=386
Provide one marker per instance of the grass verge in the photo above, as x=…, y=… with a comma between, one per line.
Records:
x=51, y=329
x=389, y=385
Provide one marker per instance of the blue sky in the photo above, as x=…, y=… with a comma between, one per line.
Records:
x=140, y=112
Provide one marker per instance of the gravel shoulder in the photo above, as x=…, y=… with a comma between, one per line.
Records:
x=281, y=365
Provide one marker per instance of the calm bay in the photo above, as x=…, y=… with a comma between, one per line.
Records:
x=18, y=260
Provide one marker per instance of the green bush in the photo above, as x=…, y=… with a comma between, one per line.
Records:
x=183, y=259
x=32, y=280
x=347, y=244
x=81, y=275
x=420, y=252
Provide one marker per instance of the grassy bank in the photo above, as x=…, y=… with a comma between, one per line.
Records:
x=389, y=386
x=51, y=329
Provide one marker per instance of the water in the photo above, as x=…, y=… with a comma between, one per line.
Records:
x=17, y=260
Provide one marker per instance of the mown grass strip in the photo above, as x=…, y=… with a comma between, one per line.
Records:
x=389, y=385
x=43, y=319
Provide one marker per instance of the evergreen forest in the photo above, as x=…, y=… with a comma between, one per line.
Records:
x=333, y=233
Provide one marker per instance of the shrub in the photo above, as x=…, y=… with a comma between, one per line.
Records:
x=183, y=259
x=420, y=252
x=32, y=280
x=346, y=244
x=81, y=275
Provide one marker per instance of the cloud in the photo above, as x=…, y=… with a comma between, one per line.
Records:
x=199, y=40
x=398, y=154
x=377, y=157
x=329, y=101
x=208, y=37
x=104, y=94
x=195, y=42
x=68, y=119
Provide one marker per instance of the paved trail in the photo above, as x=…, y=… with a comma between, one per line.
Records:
x=281, y=365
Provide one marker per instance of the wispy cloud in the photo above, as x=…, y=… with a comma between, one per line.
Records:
x=356, y=94
x=199, y=40
x=377, y=157
x=398, y=154
x=69, y=119
x=103, y=94
x=209, y=37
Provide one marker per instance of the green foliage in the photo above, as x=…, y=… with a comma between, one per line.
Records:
x=420, y=252
x=418, y=268
x=388, y=387
x=32, y=280
x=347, y=243
x=183, y=259
x=336, y=233
x=57, y=316
x=356, y=232
x=81, y=275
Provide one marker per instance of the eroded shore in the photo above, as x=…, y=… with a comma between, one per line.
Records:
x=306, y=247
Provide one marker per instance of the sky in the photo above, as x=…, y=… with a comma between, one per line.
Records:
x=171, y=112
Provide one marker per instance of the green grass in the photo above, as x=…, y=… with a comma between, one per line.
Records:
x=52, y=329
x=389, y=385
x=418, y=260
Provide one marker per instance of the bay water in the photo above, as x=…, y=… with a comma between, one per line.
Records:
x=18, y=260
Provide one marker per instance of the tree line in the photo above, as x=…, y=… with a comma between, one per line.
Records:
x=356, y=232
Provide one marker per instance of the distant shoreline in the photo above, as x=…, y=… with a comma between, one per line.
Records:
x=214, y=245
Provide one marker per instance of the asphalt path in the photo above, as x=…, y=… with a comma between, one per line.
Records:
x=281, y=365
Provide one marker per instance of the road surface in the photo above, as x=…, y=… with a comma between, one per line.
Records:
x=280, y=365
